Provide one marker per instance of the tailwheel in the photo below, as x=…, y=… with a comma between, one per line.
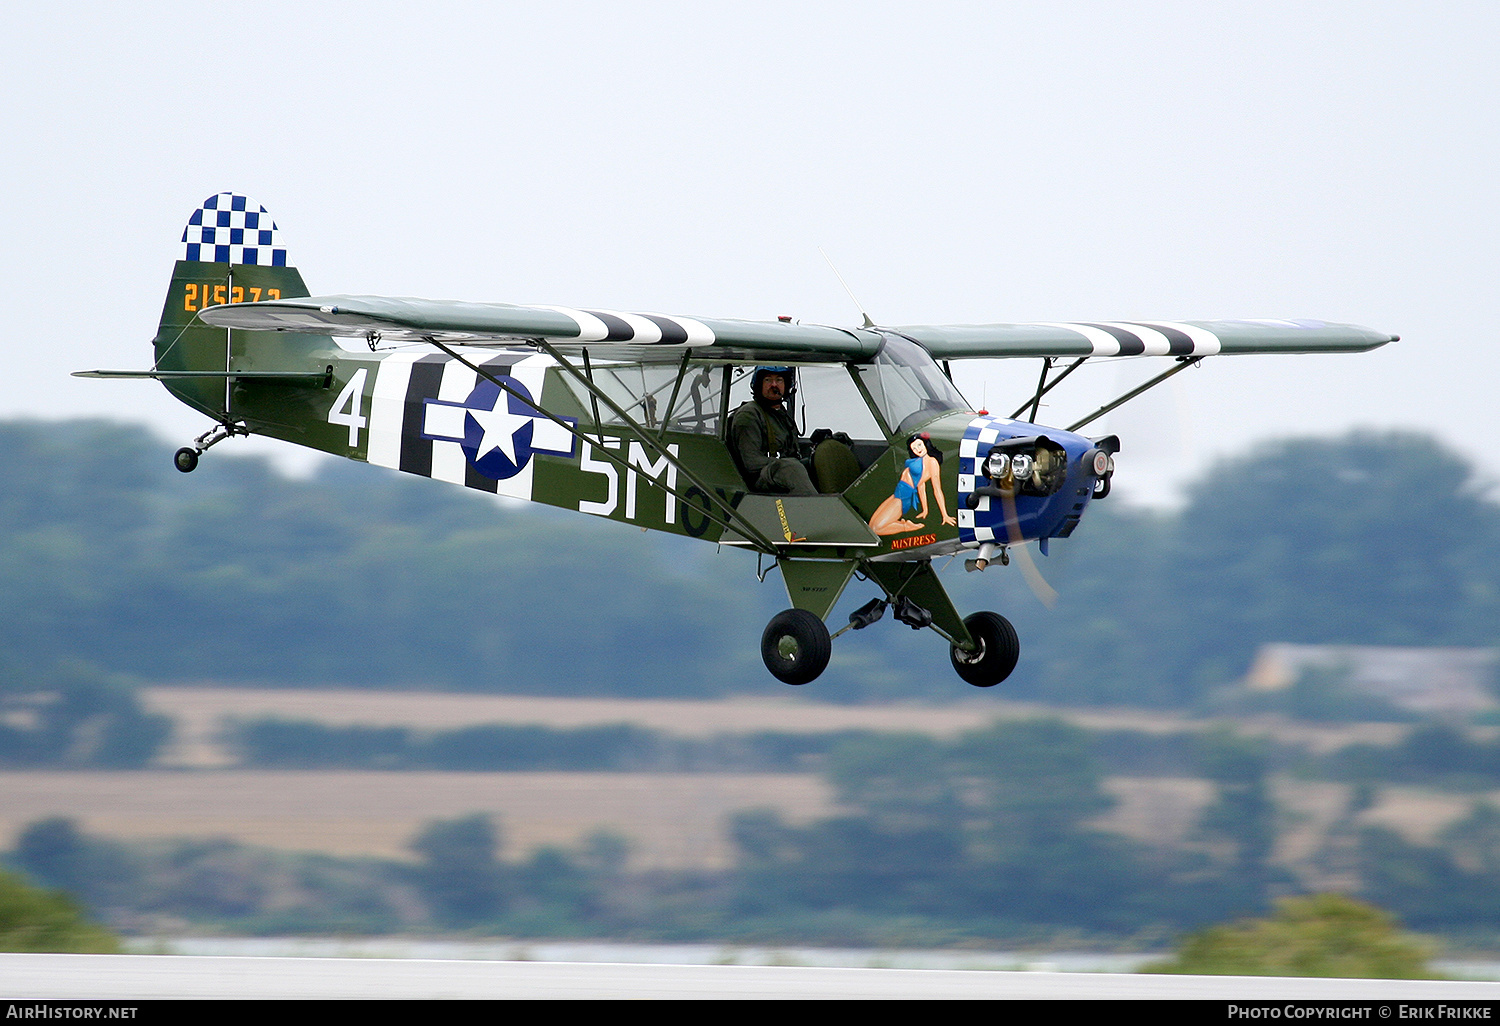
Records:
x=996, y=656
x=185, y=459
x=795, y=646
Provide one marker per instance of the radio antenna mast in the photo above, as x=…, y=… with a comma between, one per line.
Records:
x=868, y=323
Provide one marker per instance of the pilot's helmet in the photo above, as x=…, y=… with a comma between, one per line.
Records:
x=786, y=372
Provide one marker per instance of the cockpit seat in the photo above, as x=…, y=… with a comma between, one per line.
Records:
x=835, y=467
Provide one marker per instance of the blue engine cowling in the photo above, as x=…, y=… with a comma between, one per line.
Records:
x=1062, y=472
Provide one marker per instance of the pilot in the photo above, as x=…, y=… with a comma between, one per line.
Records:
x=763, y=436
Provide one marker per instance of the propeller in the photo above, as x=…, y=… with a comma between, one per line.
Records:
x=1044, y=592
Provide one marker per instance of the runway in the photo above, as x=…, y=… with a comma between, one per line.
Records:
x=158, y=977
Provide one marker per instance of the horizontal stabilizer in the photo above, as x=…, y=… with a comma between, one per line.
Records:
x=309, y=377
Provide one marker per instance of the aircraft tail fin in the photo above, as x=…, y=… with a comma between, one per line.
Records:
x=232, y=252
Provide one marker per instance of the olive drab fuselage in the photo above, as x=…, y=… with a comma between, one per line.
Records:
x=421, y=413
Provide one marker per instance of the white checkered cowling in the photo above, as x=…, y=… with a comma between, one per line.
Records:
x=232, y=229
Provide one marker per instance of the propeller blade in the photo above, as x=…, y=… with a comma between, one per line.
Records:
x=1044, y=592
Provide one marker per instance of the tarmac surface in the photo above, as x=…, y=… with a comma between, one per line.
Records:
x=157, y=977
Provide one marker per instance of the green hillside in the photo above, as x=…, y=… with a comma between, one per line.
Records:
x=358, y=576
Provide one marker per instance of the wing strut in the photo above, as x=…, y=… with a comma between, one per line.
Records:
x=734, y=515
x=1043, y=386
x=1183, y=363
x=588, y=371
x=666, y=418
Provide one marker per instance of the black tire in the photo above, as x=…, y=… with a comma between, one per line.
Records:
x=185, y=460
x=999, y=648
x=795, y=646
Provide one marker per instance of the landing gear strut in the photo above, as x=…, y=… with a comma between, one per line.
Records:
x=796, y=645
x=186, y=458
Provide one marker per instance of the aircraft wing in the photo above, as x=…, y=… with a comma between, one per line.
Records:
x=1141, y=338
x=453, y=322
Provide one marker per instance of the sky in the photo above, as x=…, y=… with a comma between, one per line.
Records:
x=958, y=163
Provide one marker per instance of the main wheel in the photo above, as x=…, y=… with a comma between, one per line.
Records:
x=185, y=460
x=996, y=656
x=795, y=646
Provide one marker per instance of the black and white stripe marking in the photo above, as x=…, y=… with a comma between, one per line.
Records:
x=398, y=417
x=1143, y=338
x=637, y=329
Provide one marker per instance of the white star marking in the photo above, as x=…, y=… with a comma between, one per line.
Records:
x=499, y=427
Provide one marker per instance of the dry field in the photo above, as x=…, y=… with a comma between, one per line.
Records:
x=198, y=712
x=672, y=820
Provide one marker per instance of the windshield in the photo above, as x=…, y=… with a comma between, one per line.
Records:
x=908, y=385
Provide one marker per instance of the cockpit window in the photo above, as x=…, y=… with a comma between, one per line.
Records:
x=643, y=391
x=908, y=385
x=698, y=401
x=828, y=398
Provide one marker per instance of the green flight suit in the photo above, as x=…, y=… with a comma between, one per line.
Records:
x=763, y=439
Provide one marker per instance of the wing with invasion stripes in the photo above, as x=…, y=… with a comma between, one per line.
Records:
x=452, y=322
x=457, y=323
x=1141, y=338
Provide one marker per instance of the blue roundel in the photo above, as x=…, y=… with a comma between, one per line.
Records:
x=498, y=429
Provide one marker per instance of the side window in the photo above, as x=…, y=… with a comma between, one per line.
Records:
x=828, y=398
x=644, y=390
x=698, y=400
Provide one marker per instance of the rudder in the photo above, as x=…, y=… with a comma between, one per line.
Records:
x=232, y=253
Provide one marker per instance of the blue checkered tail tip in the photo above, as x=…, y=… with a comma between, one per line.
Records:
x=232, y=229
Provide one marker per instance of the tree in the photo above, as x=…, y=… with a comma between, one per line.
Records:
x=108, y=555
x=1318, y=935
x=103, y=874
x=460, y=875
x=1029, y=782
x=32, y=919
x=989, y=828
x=901, y=781
x=1369, y=538
x=78, y=716
x=1244, y=813
x=1474, y=841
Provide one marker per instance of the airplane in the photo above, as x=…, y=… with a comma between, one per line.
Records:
x=626, y=416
